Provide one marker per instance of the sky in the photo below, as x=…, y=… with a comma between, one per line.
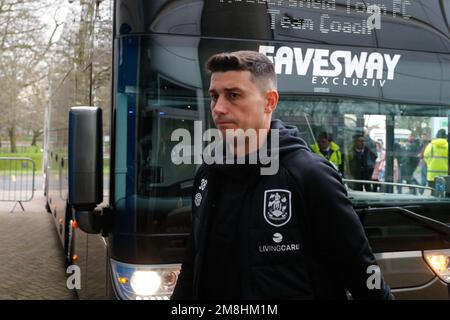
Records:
x=62, y=12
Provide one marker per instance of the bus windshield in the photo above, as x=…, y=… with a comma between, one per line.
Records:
x=396, y=110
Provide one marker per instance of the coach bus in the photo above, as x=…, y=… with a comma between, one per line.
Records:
x=344, y=67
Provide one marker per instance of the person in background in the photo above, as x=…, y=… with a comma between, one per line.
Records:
x=436, y=157
x=379, y=172
x=423, y=165
x=399, y=154
x=328, y=149
x=411, y=161
x=361, y=163
x=369, y=142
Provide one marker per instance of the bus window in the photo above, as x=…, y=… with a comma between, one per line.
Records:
x=375, y=105
x=396, y=134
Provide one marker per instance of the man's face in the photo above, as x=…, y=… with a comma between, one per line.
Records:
x=323, y=143
x=237, y=102
x=359, y=143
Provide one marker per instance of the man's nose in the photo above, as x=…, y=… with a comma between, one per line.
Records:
x=220, y=106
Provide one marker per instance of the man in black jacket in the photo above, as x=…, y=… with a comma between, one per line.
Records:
x=361, y=162
x=289, y=235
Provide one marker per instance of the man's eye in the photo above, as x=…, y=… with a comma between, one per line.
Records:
x=233, y=95
x=213, y=97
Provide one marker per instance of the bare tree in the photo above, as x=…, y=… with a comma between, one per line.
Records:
x=24, y=45
x=81, y=61
x=32, y=102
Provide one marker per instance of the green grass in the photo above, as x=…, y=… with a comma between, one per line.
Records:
x=35, y=154
x=106, y=163
x=25, y=152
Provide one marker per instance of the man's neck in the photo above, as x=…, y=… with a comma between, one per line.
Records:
x=250, y=145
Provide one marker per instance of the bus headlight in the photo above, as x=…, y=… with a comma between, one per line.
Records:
x=144, y=282
x=439, y=262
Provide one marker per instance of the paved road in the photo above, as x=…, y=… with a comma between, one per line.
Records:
x=31, y=256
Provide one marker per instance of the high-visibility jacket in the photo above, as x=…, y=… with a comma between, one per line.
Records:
x=436, y=158
x=335, y=155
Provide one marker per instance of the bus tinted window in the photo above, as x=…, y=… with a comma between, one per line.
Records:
x=370, y=95
x=411, y=25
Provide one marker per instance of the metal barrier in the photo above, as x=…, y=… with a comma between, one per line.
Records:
x=17, y=180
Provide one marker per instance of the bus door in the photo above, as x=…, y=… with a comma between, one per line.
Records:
x=155, y=150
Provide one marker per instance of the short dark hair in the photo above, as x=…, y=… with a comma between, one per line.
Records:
x=441, y=134
x=261, y=68
x=325, y=135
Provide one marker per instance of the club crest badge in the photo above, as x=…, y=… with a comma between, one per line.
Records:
x=277, y=207
x=198, y=199
x=203, y=184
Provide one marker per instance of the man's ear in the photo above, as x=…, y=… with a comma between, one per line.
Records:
x=272, y=101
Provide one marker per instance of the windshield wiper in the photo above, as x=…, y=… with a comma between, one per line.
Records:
x=384, y=183
x=429, y=223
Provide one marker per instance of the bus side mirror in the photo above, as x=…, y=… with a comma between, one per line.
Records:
x=442, y=187
x=86, y=166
